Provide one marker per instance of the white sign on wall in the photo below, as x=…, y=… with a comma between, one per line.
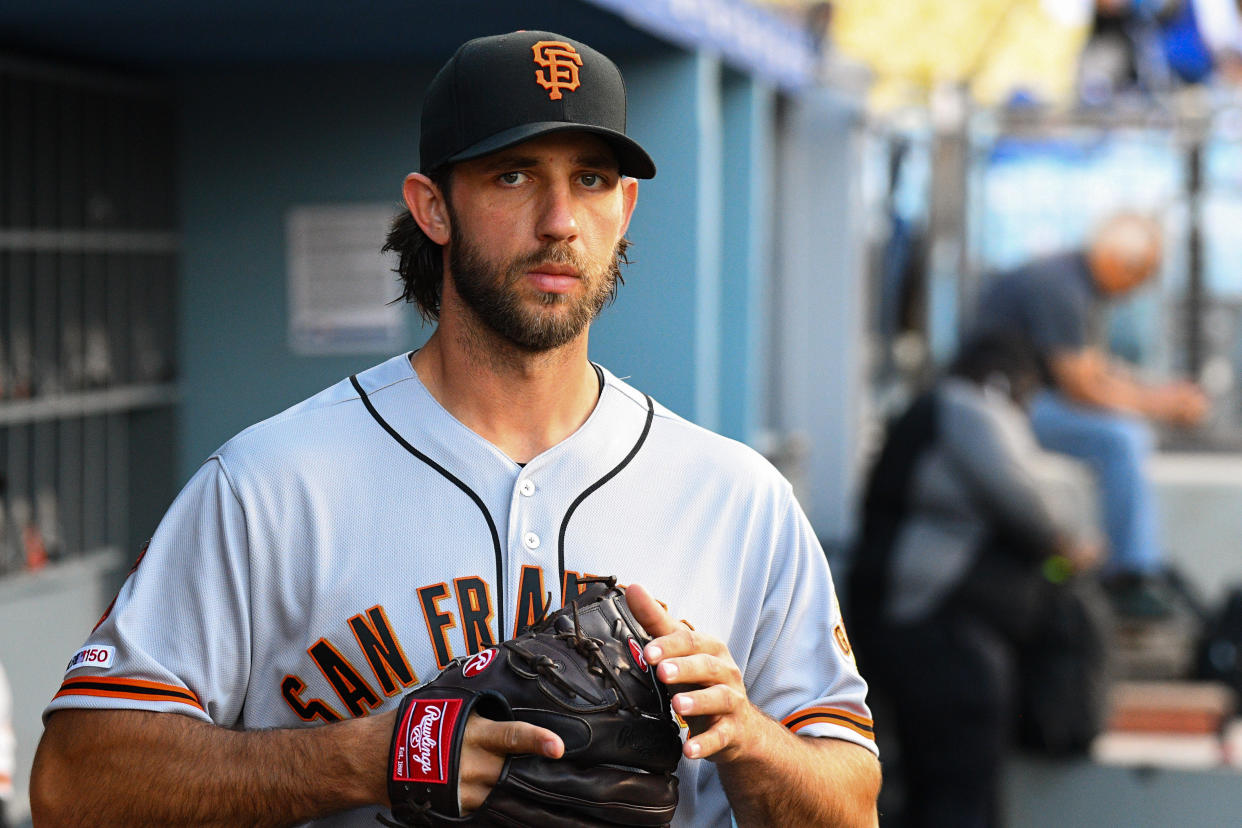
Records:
x=340, y=285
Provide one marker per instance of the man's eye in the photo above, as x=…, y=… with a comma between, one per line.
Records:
x=591, y=180
x=511, y=177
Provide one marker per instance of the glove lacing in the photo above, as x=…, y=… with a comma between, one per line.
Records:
x=589, y=648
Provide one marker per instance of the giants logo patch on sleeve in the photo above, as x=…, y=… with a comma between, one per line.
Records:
x=92, y=657
x=424, y=741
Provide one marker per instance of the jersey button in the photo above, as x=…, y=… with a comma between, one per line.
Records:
x=531, y=540
x=527, y=488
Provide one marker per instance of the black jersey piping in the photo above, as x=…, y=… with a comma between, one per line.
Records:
x=642, y=438
x=478, y=501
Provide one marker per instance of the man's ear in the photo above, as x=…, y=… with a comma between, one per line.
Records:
x=629, y=196
x=428, y=207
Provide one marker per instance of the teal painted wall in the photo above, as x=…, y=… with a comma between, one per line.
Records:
x=666, y=312
x=747, y=174
x=253, y=144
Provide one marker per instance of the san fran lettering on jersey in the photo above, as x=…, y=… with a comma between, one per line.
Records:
x=374, y=643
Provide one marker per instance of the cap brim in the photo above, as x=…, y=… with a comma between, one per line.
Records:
x=631, y=158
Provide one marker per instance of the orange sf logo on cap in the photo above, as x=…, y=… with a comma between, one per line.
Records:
x=562, y=62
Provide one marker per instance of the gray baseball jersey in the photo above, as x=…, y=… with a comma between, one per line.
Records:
x=325, y=560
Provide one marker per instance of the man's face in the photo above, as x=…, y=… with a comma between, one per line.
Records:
x=535, y=233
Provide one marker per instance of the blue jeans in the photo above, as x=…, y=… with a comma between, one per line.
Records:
x=1116, y=447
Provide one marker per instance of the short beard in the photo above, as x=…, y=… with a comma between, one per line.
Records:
x=489, y=290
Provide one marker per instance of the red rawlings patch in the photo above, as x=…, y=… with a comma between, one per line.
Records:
x=424, y=741
x=479, y=662
x=637, y=653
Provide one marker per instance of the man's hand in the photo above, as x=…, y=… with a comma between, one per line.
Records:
x=1180, y=403
x=485, y=747
x=771, y=776
x=1089, y=377
x=1082, y=554
x=721, y=718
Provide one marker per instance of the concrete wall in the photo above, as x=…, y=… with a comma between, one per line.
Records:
x=1200, y=500
x=818, y=386
x=1047, y=794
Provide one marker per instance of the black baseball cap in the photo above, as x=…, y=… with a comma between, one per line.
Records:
x=498, y=91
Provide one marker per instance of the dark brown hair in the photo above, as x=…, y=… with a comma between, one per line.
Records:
x=420, y=262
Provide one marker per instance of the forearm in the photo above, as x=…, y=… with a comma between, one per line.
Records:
x=133, y=767
x=1112, y=390
x=795, y=780
x=1092, y=379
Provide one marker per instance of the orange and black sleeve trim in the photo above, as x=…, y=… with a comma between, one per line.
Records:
x=830, y=715
x=125, y=688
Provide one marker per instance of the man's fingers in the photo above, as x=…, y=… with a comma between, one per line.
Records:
x=513, y=737
x=699, y=668
x=711, y=701
x=710, y=742
x=648, y=612
x=683, y=641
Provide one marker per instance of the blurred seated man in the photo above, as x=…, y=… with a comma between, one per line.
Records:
x=1092, y=408
x=947, y=585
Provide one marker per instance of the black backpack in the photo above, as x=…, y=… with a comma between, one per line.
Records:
x=1064, y=672
x=1218, y=654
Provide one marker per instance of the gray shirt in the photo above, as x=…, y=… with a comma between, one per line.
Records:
x=975, y=478
x=1053, y=303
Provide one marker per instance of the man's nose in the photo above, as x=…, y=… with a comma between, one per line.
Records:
x=557, y=219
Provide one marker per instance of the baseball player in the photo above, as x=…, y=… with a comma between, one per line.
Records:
x=323, y=562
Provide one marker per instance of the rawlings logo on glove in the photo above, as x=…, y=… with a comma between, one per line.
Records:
x=420, y=741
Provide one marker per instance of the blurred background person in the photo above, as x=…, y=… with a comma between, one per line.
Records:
x=947, y=584
x=1152, y=46
x=1091, y=406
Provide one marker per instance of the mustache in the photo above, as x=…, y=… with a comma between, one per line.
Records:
x=552, y=253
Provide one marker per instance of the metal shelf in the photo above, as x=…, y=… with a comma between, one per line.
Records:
x=88, y=241
x=89, y=244
x=86, y=403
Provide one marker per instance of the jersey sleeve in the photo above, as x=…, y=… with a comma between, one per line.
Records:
x=801, y=668
x=176, y=638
